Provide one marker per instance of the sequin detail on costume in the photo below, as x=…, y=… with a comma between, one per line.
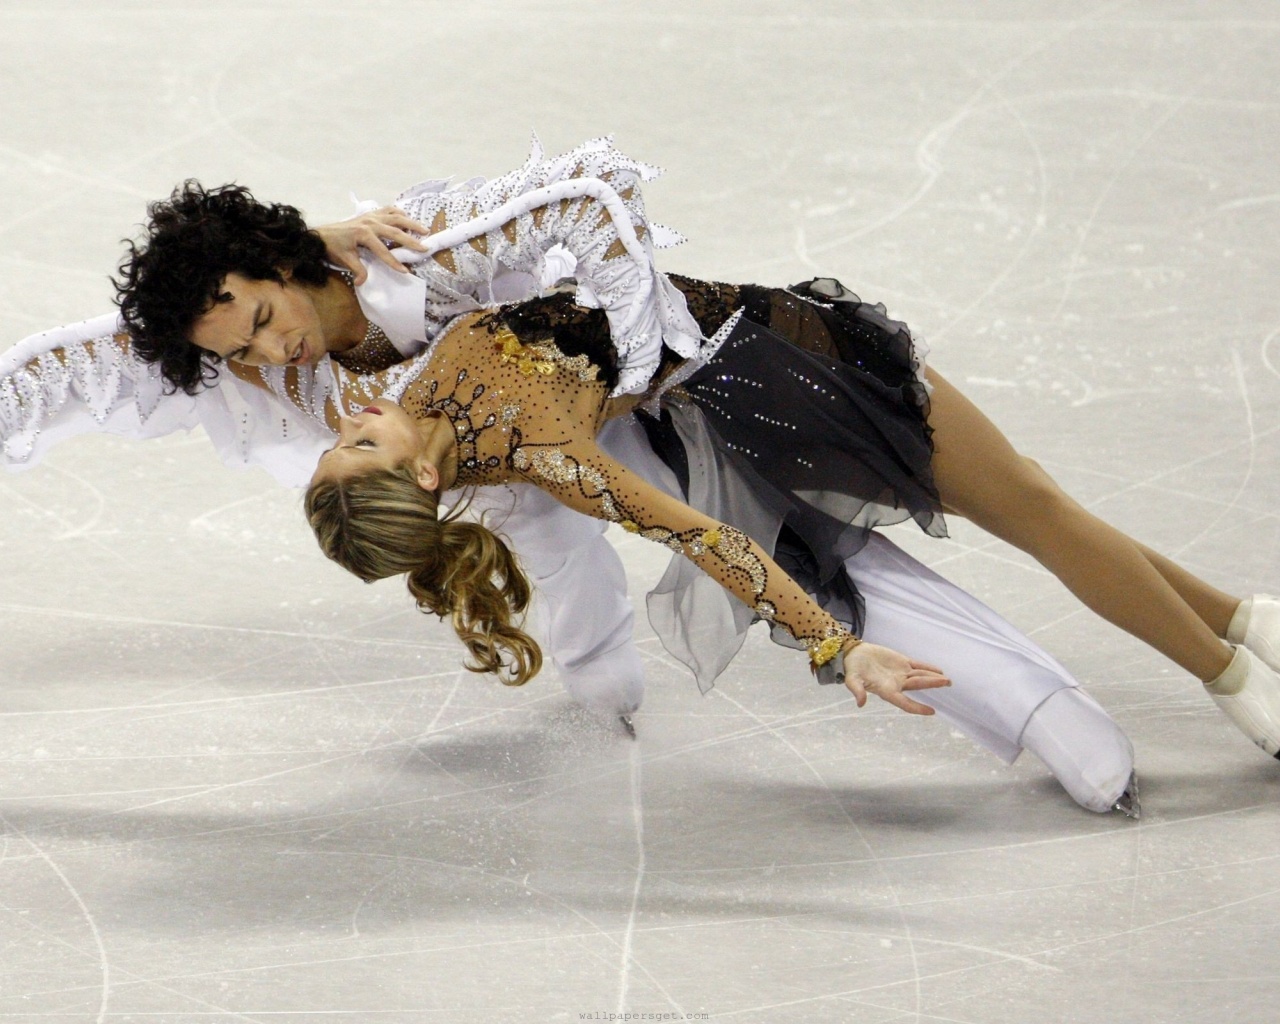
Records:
x=101, y=373
x=734, y=547
x=587, y=207
x=553, y=465
x=541, y=357
x=823, y=649
x=462, y=413
x=373, y=354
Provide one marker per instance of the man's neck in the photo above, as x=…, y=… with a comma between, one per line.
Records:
x=339, y=310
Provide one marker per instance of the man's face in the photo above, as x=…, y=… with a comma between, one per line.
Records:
x=264, y=323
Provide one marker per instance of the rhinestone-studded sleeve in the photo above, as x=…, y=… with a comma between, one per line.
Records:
x=586, y=205
x=587, y=480
x=326, y=392
x=313, y=390
x=83, y=371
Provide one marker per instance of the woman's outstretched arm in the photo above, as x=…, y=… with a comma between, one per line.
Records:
x=583, y=477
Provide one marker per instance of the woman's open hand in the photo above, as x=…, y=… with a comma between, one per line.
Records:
x=870, y=668
x=374, y=232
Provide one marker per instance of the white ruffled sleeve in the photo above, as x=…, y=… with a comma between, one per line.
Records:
x=577, y=215
x=85, y=379
x=81, y=379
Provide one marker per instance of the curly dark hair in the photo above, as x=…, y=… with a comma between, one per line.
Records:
x=194, y=239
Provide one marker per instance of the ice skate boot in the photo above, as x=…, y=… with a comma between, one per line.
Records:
x=1088, y=753
x=1248, y=692
x=1256, y=624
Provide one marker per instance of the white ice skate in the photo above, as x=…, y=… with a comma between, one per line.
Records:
x=1248, y=693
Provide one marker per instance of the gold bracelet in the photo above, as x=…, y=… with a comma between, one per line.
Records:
x=821, y=653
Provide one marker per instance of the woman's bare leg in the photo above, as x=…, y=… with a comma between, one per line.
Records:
x=1211, y=604
x=1214, y=606
x=981, y=477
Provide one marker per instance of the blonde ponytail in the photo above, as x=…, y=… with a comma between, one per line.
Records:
x=382, y=523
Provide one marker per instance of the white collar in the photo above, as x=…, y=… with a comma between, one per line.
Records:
x=395, y=302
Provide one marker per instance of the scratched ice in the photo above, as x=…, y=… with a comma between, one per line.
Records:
x=240, y=787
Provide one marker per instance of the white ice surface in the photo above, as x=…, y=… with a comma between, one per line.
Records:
x=239, y=786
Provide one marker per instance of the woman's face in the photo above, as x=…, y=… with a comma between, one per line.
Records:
x=381, y=436
x=264, y=323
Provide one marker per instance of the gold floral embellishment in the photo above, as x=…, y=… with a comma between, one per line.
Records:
x=838, y=639
x=524, y=356
x=822, y=653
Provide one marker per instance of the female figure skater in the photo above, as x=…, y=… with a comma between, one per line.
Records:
x=830, y=475
x=520, y=394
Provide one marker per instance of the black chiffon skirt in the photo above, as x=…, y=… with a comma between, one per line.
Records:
x=805, y=425
x=816, y=401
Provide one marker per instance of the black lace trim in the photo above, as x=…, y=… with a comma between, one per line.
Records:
x=576, y=330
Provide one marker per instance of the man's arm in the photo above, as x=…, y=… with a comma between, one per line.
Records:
x=578, y=215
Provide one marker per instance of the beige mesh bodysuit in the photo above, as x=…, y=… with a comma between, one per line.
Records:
x=525, y=411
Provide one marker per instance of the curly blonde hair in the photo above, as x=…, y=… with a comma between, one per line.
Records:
x=382, y=523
